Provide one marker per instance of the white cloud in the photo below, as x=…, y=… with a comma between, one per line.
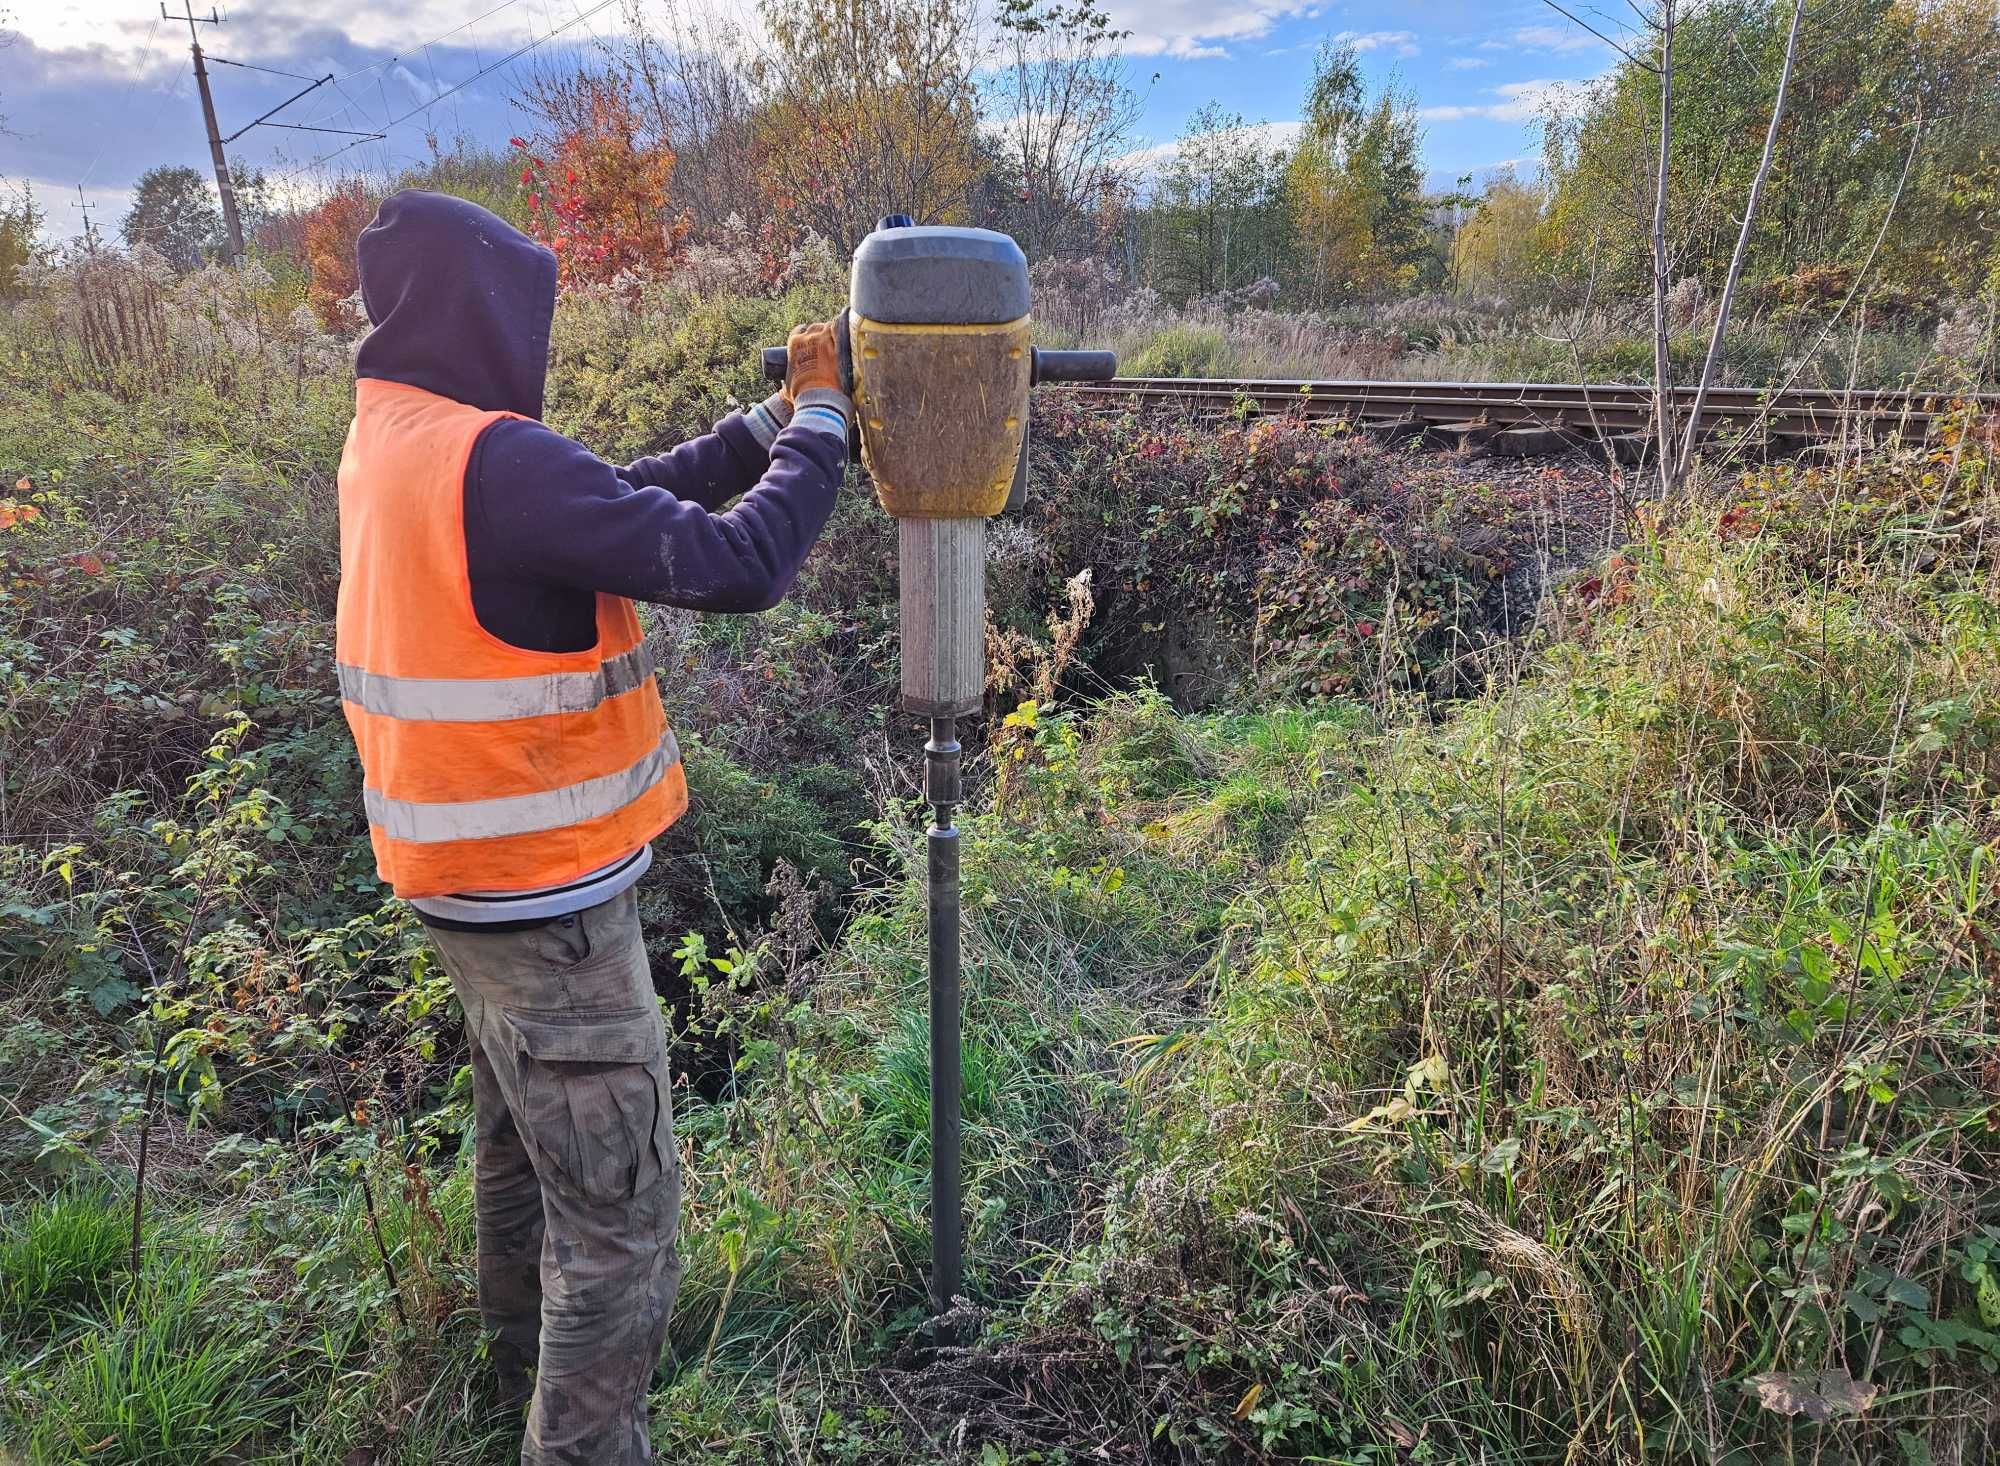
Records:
x=425, y=91
x=1520, y=101
x=1553, y=39
x=1467, y=63
x=1403, y=43
x=129, y=35
x=1190, y=29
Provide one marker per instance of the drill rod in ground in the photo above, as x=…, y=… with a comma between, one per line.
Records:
x=941, y=788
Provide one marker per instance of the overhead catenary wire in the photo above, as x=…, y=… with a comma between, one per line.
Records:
x=484, y=71
x=390, y=60
x=138, y=74
x=214, y=60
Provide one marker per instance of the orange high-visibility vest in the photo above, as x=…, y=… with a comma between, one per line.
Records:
x=485, y=767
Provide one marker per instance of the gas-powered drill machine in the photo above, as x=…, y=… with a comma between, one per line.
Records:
x=936, y=354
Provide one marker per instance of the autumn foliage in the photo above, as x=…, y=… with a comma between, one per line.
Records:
x=599, y=186
x=331, y=229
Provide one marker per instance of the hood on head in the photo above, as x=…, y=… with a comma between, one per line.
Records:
x=460, y=302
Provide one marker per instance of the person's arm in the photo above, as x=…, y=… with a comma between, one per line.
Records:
x=716, y=467
x=542, y=507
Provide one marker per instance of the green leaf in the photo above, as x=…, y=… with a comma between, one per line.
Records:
x=1500, y=1159
x=111, y=994
x=1908, y=1292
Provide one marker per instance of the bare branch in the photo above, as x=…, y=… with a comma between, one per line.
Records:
x=1722, y=307
x=1663, y=390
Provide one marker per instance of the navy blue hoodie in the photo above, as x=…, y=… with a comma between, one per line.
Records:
x=461, y=303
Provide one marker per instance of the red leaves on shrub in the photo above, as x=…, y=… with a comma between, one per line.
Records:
x=1738, y=522
x=1611, y=586
x=600, y=199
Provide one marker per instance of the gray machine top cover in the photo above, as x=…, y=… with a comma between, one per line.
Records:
x=938, y=274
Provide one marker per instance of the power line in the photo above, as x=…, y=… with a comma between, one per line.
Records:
x=396, y=56
x=138, y=73
x=251, y=66
x=388, y=60
x=506, y=60
x=261, y=122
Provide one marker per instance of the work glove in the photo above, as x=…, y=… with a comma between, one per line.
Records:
x=813, y=359
x=813, y=380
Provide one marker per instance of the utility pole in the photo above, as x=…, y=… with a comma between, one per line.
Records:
x=231, y=220
x=89, y=234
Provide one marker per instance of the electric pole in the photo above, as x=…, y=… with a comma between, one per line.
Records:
x=230, y=219
x=89, y=234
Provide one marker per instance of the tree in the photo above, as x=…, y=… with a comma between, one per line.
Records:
x=1216, y=218
x=599, y=183
x=693, y=77
x=20, y=238
x=174, y=211
x=254, y=202
x=1064, y=112
x=1869, y=76
x=1499, y=248
x=868, y=107
x=1354, y=186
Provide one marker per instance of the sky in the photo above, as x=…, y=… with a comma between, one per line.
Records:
x=94, y=92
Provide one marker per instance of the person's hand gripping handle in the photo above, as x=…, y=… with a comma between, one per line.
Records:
x=826, y=342
x=818, y=379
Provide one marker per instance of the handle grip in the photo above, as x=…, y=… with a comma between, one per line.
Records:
x=1049, y=366
x=1073, y=366
x=777, y=360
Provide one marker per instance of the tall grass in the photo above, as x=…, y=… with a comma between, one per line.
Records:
x=1443, y=338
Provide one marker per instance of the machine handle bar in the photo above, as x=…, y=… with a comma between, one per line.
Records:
x=1074, y=366
x=1049, y=366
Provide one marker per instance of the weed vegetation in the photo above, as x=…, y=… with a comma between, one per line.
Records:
x=1440, y=987
x=1439, y=337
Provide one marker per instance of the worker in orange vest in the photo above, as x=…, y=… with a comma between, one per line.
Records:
x=517, y=762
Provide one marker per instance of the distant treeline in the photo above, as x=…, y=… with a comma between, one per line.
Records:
x=690, y=136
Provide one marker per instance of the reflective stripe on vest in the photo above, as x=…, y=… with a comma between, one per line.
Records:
x=494, y=699
x=521, y=814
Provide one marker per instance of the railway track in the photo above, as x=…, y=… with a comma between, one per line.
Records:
x=1531, y=418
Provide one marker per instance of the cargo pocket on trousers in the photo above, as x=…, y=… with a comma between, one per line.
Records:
x=594, y=1095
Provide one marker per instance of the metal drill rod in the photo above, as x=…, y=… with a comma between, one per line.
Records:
x=941, y=788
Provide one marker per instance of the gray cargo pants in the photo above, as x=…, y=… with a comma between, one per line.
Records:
x=577, y=1183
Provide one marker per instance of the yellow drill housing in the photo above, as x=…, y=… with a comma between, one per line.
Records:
x=943, y=411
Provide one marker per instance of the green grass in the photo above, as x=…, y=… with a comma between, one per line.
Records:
x=60, y=1253
x=163, y=1376
x=1534, y=1075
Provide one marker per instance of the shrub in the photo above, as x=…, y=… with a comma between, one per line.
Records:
x=1181, y=351
x=331, y=229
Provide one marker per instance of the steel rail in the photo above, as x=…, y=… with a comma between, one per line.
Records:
x=1580, y=409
